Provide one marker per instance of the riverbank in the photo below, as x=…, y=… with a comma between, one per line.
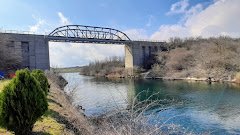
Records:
x=73, y=119
x=61, y=118
x=195, y=79
x=145, y=75
x=120, y=121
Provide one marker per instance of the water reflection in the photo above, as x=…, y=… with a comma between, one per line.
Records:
x=196, y=106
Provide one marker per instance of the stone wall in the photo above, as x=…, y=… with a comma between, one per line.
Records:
x=33, y=49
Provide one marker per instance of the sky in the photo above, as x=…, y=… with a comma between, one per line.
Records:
x=139, y=19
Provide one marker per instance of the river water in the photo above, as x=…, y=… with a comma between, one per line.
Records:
x=197, y=107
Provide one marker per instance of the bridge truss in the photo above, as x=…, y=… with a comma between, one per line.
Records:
x=88, y=34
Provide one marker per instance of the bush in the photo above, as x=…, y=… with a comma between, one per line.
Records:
x=22, y=103
x=158, y=70
x=103, y=68
x=42, y=79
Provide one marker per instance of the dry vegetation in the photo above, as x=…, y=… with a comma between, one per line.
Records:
x=135, y=120
x=215, y=58
x=111, y=67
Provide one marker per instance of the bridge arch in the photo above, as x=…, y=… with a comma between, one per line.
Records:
x=88, y=34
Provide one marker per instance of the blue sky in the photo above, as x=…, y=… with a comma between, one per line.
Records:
x=140, y=19
x=120, y=14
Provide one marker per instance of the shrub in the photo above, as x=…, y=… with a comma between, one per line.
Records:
x=179, y=59
x=22, y=103
x=158, y=70
x=102, y=68
x=42, y=79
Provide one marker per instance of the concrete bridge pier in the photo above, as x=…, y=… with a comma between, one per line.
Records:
x=129, y=59
x=137, y=53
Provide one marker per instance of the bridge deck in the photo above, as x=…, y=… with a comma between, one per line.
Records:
x=86, y=40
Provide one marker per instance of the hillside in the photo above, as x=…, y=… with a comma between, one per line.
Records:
x=217, y=59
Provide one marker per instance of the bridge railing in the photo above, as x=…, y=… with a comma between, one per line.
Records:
x=89, y=32
x=148, y=40
x=16, y=31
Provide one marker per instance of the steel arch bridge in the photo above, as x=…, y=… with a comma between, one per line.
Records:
x=88, y=34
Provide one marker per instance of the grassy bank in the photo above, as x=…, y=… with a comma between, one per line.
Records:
x=59, y=118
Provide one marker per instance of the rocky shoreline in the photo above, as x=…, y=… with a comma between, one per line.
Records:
x=144, y=76
x=194, y=79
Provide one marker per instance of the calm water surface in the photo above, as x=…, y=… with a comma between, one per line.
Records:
x=195, y=106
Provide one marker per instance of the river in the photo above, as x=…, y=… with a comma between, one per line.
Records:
x=197, y=107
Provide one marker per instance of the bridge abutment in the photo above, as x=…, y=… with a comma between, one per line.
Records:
x=138, y=53
x=32, y=50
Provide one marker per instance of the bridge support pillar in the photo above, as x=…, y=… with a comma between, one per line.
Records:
x=137, y=53
x=128, y=56
x=129, y=59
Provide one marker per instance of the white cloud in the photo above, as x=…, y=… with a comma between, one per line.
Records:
x=167, y=31
x=179, y=7
x=36, y=27
x=63, y=20
x=137, y=34
x=220, y=18
x=44, y=27
x=194, y=10
x=150, y=20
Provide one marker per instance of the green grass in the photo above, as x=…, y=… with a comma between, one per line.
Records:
x=3, y=83
x=48, y=125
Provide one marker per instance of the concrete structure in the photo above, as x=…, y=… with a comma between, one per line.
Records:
x=137, y=53
x=33, y=49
